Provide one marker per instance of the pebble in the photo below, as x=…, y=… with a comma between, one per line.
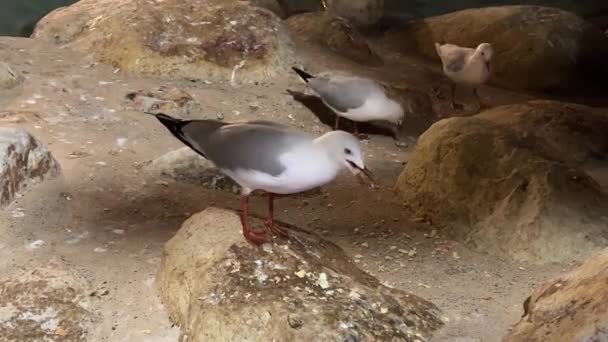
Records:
x=323, y=282
x=34, y=245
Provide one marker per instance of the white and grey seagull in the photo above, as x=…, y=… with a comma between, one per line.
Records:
x=263, y=155
x=466, y=66
x=355, y=98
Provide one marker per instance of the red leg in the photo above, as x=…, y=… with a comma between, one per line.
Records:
x=277, y=230
x=253, y=237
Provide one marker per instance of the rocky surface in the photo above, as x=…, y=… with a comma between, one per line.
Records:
x=23, y=160
x=49, y=303
x=185, y=165
x=358, y=12
x=334, y=33
x=219, y=288
x=509, y=180
x=212, y=39
x=536, y=48
x=570, y=307
x=8, y=77
x=164, y=99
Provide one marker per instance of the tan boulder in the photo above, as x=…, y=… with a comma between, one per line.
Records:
x=536, y=48
x=208, y=39
x=8, y=77
x=217, y=287
x=24, y=160
x=358, y=12
x=509, y=180
x=335, y=34
x=48, y=303
x=571, y=307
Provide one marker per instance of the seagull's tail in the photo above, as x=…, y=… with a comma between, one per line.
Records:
x=438, y=48
x=303, y=74
x=173, y=125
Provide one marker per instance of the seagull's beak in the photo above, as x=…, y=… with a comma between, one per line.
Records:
x=358, y=171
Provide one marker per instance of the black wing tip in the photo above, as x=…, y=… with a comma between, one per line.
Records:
x=303, y=74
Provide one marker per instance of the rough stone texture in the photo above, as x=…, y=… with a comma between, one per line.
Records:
x=334, y=33
x=219, y=288
x=272, y=5
x=509, y=181
x=22, y=159
x=208, y=39
x=44, y=304
x=164, y=99
x=572, y=307
x=536, y=48
x=8, y=77
x=185, y=165
x=359, y=12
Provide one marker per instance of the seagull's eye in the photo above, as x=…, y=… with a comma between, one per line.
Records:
x=348, y=151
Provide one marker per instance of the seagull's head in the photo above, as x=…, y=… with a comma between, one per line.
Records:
x=395, y=112
x=486, y=52
x=345, y=149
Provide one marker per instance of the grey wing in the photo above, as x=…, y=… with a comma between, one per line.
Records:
x=343, y=95
x=252, y=147
x=455, y=60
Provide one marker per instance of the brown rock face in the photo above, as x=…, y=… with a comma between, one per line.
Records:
x=572, y=307
x=210, y=39
x=334, y=33
x=219, y=288
x=359, y=12
x=536, y=48
x=23, y=159
x=509, y=180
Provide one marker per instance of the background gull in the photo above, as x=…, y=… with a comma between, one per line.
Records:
x=466, y=66
x=355, y=98
x=263, y=155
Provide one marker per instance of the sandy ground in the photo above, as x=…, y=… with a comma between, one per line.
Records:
x=107, y=222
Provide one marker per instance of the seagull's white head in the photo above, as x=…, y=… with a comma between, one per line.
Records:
x=486, y=51
x=345, y=149
x=394, y=112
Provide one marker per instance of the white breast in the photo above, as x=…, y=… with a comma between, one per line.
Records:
x=474, y=72
x=307, y=167
x=374, y=108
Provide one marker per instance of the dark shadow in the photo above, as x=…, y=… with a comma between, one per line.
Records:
x=327, y=117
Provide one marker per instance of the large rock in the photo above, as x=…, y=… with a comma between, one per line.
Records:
x=8, y=77
x=45, y=304
x=509, y=181
x=334, y=33
x=536, y=48
x=197, y=39
x=219, y=288
x=23, y=159
x=186, y=166
x=572, y=307
x=359, y=12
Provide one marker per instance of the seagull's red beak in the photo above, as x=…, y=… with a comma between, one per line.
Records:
x=362, y=171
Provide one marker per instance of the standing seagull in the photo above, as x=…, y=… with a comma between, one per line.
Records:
x=263, y=155
x=466, y=66
x=357, y=99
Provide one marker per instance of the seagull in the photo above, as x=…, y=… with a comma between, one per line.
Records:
x=466, y=66
x=264, y=155
x=355, y=98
